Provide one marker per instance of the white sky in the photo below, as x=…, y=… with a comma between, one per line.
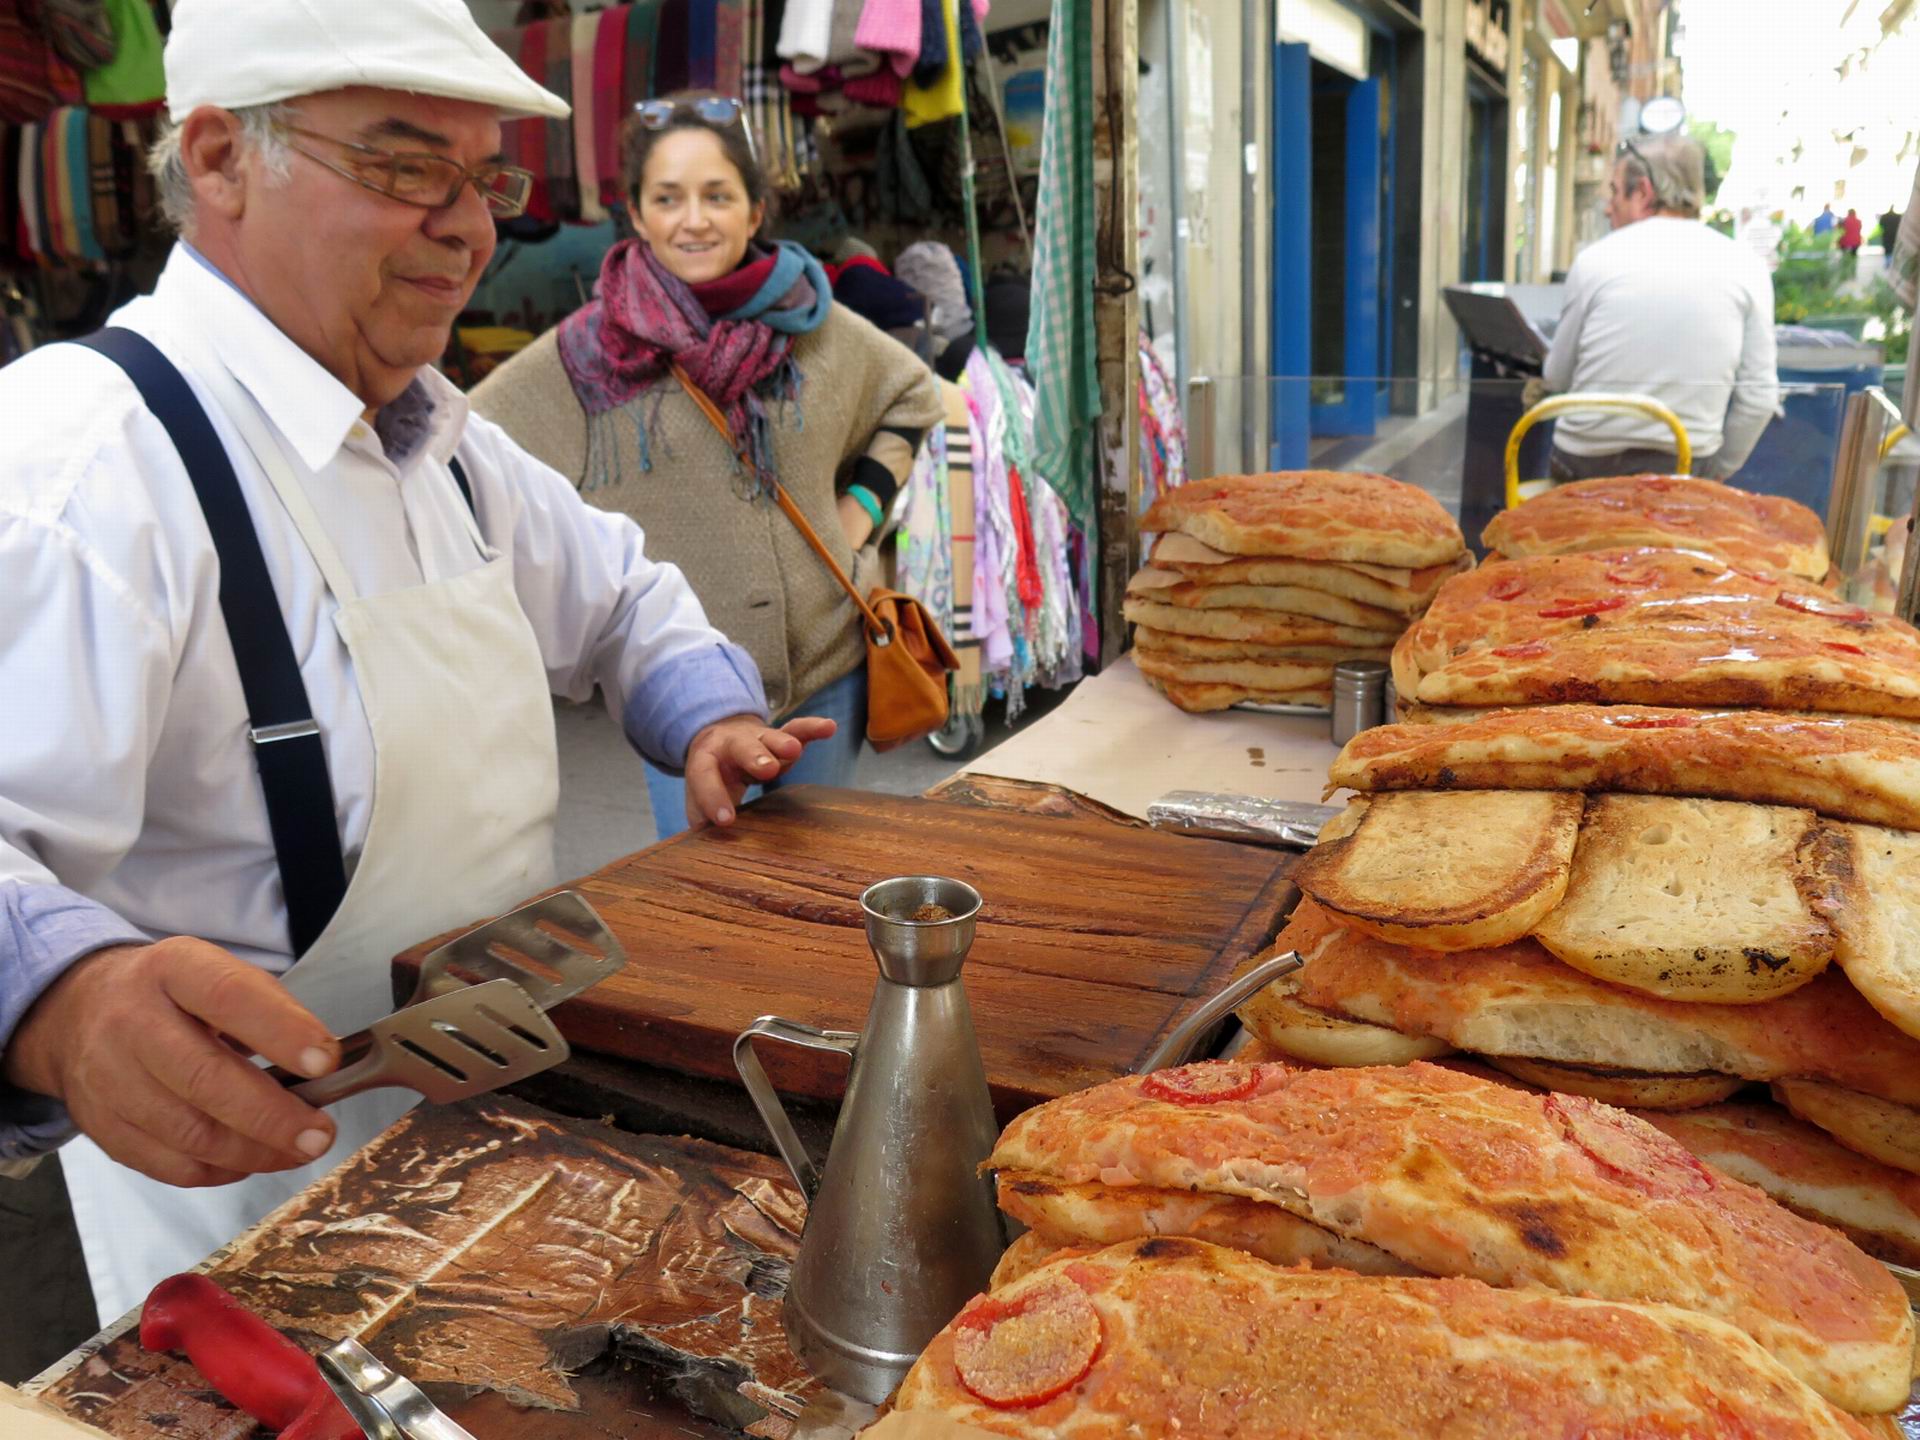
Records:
x=1767, y=69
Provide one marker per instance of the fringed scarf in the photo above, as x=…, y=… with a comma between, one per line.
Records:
x=623, y=343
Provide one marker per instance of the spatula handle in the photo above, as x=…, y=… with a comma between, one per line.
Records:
x=369, y=1072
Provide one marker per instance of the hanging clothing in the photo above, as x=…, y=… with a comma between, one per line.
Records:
x=769, y=109
x=939, y=98
x=1163, y=431
x=932, y=268
x=891, y=28
x=605, y=116
x=133, y=80
x=586, y=134
x=1061, y=355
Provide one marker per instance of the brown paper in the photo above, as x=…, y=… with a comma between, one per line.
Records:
x=24, y=1418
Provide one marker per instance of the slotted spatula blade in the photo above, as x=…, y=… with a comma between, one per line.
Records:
x=453, y=1046
x=552, y=948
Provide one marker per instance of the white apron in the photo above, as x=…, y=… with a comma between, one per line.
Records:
x=466, y=783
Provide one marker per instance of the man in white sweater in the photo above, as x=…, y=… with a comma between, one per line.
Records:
x=1665, y=307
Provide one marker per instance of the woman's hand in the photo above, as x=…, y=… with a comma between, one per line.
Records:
x=729, y=755
x=855, y=521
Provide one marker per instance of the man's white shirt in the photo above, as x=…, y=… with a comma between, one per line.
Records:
x=1669, y=308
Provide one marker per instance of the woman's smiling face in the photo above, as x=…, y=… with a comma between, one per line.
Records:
x=693, y=209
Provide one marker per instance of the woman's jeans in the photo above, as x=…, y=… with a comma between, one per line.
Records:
x=826, y=762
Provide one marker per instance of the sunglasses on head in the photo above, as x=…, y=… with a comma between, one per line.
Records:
x=717, y=110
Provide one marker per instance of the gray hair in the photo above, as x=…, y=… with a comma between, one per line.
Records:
x=259, y=127
x=1674, y=165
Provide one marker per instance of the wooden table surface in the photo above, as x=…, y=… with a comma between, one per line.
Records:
x=1095, y=934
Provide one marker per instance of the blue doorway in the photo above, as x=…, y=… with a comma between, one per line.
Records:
x=1333, y=178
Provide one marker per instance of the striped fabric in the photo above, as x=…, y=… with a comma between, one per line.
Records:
x=1060, y=342
x=585, y=34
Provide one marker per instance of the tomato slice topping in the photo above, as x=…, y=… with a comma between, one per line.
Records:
x=1016, y=1354
x=1812, y=605
x=1650, y=722
x=1588, y=605
x=1525, y=650
x=1508, y=587
x=1633, y=579
x=1843, y=647
x=1203, y=1084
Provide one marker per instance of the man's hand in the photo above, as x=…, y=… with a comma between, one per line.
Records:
x=729, y=755
x=146, y=1047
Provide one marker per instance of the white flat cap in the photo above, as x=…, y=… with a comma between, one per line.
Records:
x=234, y=53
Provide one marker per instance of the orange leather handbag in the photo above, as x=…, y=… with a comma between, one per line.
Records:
x=908, y=659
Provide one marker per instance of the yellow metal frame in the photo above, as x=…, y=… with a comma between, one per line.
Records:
x=1894, y=437
x=1594, y=400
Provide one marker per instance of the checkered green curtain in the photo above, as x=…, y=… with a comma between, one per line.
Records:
x=1060, y=345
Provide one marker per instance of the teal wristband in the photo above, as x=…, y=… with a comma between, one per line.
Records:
x=868, y=501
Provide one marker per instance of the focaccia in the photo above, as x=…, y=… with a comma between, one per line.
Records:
x=1629, y=1089
x=1312, y=515
x=1876, y=1128
x=1262, y=627
x=1292, y=1031
x=1754, y=532
x=1851, y=768
x=1653, y=627
x=1094, y=1215
x=1177, y=1340
x=1809, y=1172
x=1403, y=591
x=1203, y=647
x=1197, y=697
x=1447, y=870
x=1252, y=675
x=1169, y=587
x=1459, y=1176
x=1878, y=922
x=1519, y=1000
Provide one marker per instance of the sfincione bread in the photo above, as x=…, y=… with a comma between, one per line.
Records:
x=1170, y=587
x=1459, y=1176
x=1312, y=515
x=1262, y=676
x=1876, y=1128
x=1519, y=1000
x=1653, y=627
x=1166, y=1338
x=1273, y=628
x=1174, y=645
x=1446, y=870
x=1848, y=767
x=1629, y=1089
x=1753, y=532
x=1403, y=591
x=1709, y=900
x=1093, y=1214
x=1808, y=1171
x=1275, y=1017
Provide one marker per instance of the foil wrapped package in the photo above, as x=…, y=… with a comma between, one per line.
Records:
x=1289, y=824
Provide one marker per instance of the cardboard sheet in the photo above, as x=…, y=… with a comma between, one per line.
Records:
x=1117, y=740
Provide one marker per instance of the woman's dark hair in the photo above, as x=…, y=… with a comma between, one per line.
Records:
x=637, y=140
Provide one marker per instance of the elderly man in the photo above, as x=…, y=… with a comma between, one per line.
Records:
x=283, y=622
x=1666, y=307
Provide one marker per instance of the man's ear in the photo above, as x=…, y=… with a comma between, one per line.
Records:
x=212, y=151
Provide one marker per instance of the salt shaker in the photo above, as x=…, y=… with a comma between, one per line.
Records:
x=1359, y=697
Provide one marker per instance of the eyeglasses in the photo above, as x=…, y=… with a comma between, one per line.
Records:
x=720, y=110
x=1627, y=147
x=431, y=182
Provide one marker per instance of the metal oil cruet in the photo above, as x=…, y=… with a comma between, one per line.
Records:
x=901, y=1228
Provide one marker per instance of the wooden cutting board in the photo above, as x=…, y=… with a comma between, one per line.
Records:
x=1095, y=935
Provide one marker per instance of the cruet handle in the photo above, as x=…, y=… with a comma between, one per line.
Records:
x=767, y=1101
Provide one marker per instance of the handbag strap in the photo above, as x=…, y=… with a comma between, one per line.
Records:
x=877, y=629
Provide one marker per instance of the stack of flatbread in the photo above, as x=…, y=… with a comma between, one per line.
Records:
x=1257, y=585
x=1232, y=1249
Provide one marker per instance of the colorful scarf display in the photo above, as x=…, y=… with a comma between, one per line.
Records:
x=623, y=343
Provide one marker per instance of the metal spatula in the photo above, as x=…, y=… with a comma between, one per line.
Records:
x=551, y=948
x=464, y=1043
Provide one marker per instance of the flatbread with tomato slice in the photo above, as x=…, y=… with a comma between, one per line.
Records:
x=1312, y=515
x=1754, y=532
x=1848, y=767
x=1808, y=1171
x=1455, y=1175
x=1519, y=1000
x=1174, y=1338
x=1653, y=627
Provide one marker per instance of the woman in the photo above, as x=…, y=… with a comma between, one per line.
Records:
x=814, y=396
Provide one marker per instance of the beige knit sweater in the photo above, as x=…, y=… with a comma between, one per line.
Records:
x=758, y=579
